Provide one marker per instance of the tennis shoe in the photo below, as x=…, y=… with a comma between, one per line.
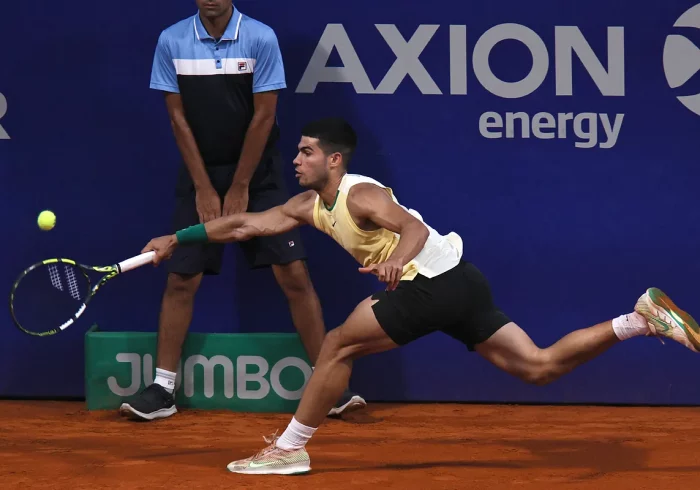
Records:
x=273, y=460
x=665, y=319
x=154, y=402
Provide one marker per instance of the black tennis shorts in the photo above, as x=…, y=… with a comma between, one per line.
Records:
x=457, y=302
x=267, y=190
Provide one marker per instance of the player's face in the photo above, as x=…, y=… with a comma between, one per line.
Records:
x=311, y=164
x=213, y=8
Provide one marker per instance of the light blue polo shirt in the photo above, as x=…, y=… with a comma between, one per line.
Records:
x=217, y=80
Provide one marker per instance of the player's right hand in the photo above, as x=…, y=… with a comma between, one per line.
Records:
x=208, y=204
x=163, y=246
x=388, y=272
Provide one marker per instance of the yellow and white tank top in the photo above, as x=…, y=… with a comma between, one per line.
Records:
x=439, y=254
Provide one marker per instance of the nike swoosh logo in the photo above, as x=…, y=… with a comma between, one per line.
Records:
x=686, y=326
x=666, y=326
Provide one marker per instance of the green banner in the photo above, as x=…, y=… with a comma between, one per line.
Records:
x=262, y=372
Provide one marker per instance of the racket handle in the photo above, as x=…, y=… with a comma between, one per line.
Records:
x=137, y=261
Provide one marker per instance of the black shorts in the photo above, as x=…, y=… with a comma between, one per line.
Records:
x=457, y=302
x=266, y=190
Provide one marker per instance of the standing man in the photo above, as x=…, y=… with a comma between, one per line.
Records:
x=221, y=72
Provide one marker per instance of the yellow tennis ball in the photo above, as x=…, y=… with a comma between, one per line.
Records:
x=46, y=220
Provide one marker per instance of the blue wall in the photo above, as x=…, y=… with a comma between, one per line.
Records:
x=568, y=236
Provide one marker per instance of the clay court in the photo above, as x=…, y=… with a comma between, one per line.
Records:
x=53, y=445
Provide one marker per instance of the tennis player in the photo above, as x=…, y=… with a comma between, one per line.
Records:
x=429, y=287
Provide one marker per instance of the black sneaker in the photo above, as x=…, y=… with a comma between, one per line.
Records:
x=349, y=402
x=154, y=402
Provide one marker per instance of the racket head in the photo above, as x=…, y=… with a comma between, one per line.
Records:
x=49, y=296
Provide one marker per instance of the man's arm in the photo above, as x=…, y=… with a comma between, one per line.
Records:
x=207, y=200
x=268, y=79
x=186, y=142
x=265, y=107
x=164, y=79
x=238, y=227
x=275, y=221
x=370, y=202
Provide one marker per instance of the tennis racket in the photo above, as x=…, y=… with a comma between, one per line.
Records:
x=50, y=295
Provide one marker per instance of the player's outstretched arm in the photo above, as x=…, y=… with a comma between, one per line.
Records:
x=238, y=227
x=370, y=202
x=275, y=221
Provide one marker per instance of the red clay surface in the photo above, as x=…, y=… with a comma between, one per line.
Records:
x=50, y=445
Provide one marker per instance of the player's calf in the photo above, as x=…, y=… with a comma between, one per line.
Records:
x=512, y=350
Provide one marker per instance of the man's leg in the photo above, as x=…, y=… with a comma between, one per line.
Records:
x=386, y=320
x=158, y=400
x=185, y=270
x=512, y=350
x=304, y=305
x=359, y=336
x=307, y=316
x=175, y=317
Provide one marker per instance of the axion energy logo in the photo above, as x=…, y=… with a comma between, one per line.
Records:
x=567, y=47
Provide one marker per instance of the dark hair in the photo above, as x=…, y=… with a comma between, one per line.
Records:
x=334, y=135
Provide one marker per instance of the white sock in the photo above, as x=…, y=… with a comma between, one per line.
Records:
x=630, y=325
x=295, y=436
x=166, y=379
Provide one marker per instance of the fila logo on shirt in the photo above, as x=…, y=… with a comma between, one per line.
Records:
x=242, y=66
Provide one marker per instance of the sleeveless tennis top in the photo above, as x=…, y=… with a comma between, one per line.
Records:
x=439, y=254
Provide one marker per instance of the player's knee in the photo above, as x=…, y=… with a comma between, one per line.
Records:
x=537, y=377
x=332, y=344
x=336, y=348
x=293, y=279
x=539, y=370
x=184, y=285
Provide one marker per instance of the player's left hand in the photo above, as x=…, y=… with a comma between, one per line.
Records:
x=236, y=199
x=163, y=246
x=389, y=272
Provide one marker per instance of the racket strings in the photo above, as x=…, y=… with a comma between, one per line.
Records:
x=73, y=287
x=55, y=277
x=70, y=280
x=49, y=295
